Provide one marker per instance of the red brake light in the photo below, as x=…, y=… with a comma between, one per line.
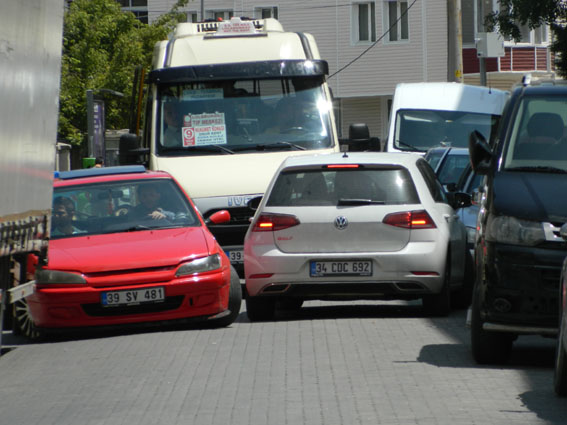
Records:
x=342, y=166
x=410, y=220
x=274, y=222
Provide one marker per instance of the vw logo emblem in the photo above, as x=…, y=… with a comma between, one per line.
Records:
x=341, y=222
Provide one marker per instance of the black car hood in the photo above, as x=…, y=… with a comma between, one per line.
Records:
x=532, y=196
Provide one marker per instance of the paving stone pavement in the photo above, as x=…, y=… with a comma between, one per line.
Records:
x=329, y=363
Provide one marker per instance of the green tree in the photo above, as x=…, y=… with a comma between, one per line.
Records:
x=533, y=13
x=102, y=46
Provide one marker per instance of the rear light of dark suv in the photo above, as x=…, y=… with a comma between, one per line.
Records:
x=274, y=222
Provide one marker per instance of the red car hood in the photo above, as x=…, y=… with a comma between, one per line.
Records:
x=123, y=251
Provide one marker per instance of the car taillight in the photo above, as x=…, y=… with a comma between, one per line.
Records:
x=274, y=222
x=410, y=220
x=342, y=166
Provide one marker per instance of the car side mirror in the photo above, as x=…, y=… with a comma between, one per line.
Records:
x=460, y=200
x=359, y=139
x=222, y=216
x=254, y=203
x=130, y=150
x=480, y=153
x=451, y=187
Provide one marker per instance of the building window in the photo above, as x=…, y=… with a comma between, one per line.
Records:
x=468, y=22
x=397, y=20
x=529, y=36
x=192, y=17
x=138, y=7
x=219, y=15
x=364, y=22
x=133, y=3
x=266, y=12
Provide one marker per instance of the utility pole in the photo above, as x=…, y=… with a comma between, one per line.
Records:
x=482, y=59
x=455, y=41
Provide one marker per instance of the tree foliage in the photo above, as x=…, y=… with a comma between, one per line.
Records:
x=534, y=14
x=102, y=46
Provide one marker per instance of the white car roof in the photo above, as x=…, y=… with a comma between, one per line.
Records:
x=404, y=159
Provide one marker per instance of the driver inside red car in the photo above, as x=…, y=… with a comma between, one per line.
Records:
x=151, y=204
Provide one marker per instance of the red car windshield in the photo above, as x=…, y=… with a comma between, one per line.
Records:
x=113, y=207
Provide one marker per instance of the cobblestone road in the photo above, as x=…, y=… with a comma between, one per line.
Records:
x=330, y=363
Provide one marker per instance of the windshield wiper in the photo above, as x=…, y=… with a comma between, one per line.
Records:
x=539, y=169
x=203, y=148
x=136, y=228
x=275, y=145
x=407, y=145
x=348, y=201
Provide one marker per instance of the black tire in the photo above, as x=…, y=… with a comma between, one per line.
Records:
x=439, y=305
x=260, y=309
x=488, y=347
x=560, y=376
x=22, y=322
x=291, y=303
x=462, y=298
x=234, y=300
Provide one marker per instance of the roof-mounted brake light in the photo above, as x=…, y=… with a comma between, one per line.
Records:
x=342, y=166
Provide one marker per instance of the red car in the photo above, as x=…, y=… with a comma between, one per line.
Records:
x=127, y=246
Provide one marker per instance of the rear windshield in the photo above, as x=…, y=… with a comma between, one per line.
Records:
x=386, y=186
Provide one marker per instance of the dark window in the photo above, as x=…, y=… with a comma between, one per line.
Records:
x=390, y=186
x=433, y=184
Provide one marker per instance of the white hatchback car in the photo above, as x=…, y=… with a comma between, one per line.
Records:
x=354, y=226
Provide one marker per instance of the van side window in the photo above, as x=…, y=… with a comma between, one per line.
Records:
x=435, y=187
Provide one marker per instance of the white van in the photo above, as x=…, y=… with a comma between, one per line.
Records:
x=427, y=115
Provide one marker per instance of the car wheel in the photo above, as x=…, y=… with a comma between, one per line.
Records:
x=440, y=304
x=22, y=322
x=488, y=347
x=260, y=309
x=291, y=303
x=560, y=377
x=234, y=300
x=463, y=297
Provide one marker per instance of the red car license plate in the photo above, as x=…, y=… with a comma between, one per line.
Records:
x=133, y=297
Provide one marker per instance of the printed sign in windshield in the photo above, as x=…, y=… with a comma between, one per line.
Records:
x=204, y=129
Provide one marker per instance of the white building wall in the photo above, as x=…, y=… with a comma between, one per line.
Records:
x=363, y=109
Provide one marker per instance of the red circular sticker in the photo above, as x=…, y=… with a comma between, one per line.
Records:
x=188, y=136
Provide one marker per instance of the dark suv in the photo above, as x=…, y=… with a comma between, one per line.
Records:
x=518, y=250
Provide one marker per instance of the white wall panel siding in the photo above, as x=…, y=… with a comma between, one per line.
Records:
x=362, y=109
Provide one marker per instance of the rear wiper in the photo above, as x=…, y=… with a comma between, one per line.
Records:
x=539, y=169
x=407, y=145
x=348, y=201
x=203, y=148
x=263, y=147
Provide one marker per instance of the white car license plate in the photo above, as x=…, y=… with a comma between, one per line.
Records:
x=340, y=268
x=235, y=255
x=132, y=297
